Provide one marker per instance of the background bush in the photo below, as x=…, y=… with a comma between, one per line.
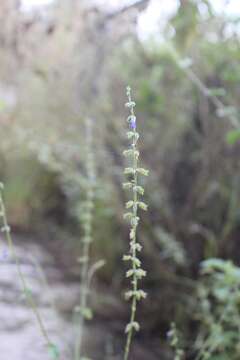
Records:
x=74, y=61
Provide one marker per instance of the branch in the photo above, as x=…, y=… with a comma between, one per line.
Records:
x=139, y=5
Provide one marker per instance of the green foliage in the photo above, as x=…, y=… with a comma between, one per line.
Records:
x=171, y=248
x=218, y=311
x=233, y=136
x=86, y=221
x=6, y=230
x=174, y=342
x=187, y=107
x=53, y=352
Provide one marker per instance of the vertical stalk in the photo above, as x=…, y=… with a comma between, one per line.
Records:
x=86, y=219
x=136, y=273
x=53, y=351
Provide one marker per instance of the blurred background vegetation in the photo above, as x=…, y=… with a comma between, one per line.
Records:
x=69, y=60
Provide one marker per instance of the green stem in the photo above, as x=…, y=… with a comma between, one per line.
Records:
x=20, y=274
x=83, y=302
x=135, y=279
x=84, y=286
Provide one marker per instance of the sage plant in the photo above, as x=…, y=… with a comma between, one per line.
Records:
x=86, y=216
x=135, y=272
x=174, y=342
x=6, y=230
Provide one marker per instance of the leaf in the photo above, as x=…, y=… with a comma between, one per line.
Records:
x=132, y=234
x=136, y=154
x=53, y=351
x=130, y=134
x=128, y=171
x=133, y=135
x=226, y=111
x=140, y=273
x=131, y=152
x=136, y=261
x=139, y=294
x=127, y=257
x=127, y=185
x=134, y=221
x=213, y=264
x=142, y=171
x=135, y=246
x=170, y=247
x=142, y=205
x=128, y=216
x=233, y=136
x=130, y=104
x=129, y=204
x=222, y=294
x=139, y=189
x=217, y=92
x=129, y=294
x=134, y=325
x=130, y=273
x=86, y=313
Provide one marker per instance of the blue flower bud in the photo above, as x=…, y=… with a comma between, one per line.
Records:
x=133, y=123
